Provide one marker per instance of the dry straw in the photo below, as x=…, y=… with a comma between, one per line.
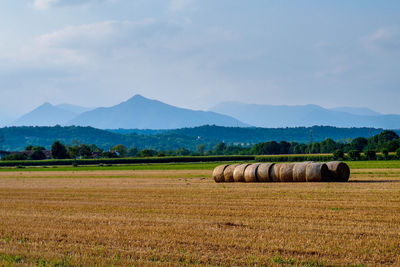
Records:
x=238, y=173
x=250, y=174
x=275, y=177
x=218, y=173
x=228, y=173
x=263, y=172
x=299, y=171
x=286, y=173
x=338, y=171
x=317, y=172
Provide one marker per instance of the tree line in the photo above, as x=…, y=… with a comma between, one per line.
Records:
x=384, y=142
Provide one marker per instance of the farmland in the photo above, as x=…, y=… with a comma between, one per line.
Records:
x=163, y=214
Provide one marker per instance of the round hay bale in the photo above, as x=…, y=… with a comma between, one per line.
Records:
x=299, y=171
x=286, y=173
x=274, y=174
x=238, y=173
x=263, y=172
x=218, y=173
x=338, y=171
x=228, y=173
x=317, y=172
x=250, y=174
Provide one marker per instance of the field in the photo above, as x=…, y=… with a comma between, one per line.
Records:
x=174, y=214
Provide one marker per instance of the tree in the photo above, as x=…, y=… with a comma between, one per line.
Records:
x=299, y=149
x=398, y=153
x=37, y=155
x=359, y=143
x=219, y=148
x=201, y=148
x=132, y=152
x=58, y=151
x=370, y=154
x=338, y=154
x=354, y=155
x=148, y=153
x=29, y=148
x=284, y=147
x=327, y=146
x=85, y=151
x=73, y=151
x=385, y=153
x=268, y=148
x=121, y=150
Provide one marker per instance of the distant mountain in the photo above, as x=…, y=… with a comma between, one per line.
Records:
x=73, y=108
x=357, y=111
x=49, y=115
x=307, y=115
x=143, y=113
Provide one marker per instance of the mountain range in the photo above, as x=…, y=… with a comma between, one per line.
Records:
x=306, y=115
x=139, y=112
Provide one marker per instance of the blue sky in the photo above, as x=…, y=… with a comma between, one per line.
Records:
x=197, y=53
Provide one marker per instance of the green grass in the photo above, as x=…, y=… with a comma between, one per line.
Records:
x=184, y=166
x=148, y=166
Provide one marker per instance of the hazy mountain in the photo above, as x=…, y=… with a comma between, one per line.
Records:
x=306, y=115
x=142, y=113
x=357, y=111
x=50, y=115
x=73, y=108
x=45, y=115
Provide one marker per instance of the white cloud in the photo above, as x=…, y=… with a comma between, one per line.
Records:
x=45, y=4
x=179, y=5
x=384, y=39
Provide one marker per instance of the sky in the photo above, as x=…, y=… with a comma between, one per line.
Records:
x=198, y=53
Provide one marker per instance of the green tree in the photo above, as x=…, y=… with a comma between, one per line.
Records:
x=354, y=155
x=121, y=150
x=37, y=155
x=299, y=149
x=359, y=143
x=148, y=153
x=267, y=148
x=327, y=146
x=201, y=148
x=58, y=151
x=132, y=152
x=219, y=148
x=73, y=151
x=85, y=151
x=398, y=153
x=338, y=154
x=370, y=154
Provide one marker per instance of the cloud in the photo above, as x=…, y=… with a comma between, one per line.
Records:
x=384, y=39
x=45, y=4
x=179, y=5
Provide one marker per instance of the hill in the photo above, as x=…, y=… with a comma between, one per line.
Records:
x=143, y=113
x=306, y=116
x=49, y=115
x=17, y=138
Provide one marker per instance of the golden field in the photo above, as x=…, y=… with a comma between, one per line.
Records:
x=182, y=217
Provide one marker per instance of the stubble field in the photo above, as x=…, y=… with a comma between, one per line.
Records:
x=181, y=217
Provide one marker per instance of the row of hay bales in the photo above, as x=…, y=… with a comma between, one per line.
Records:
x=335, y=171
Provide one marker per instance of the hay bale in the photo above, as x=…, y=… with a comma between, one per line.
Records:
x=274, y=174
x=338, y=171
x=286, y=173
x=228, y=173
x=238, y=173
x=218, y=173
x=250, y=174
x=263, y=172
x=317, y=172
x=299, y=171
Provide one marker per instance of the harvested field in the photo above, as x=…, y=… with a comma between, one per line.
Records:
x=171, y=217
